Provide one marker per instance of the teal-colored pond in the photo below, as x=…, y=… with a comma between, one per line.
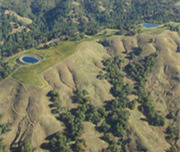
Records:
x=30, y=59
x=147, y=25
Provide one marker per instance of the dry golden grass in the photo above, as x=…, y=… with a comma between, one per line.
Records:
x=166, y=75
x=16, y=30
x=80, y=71
x=27, y=107
x=93, y=138
x=20, y=18
x=151, y=138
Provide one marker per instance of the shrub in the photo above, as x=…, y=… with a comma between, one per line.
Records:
x=105, y=42
x=26, y=147
x=108, y=137
x=158, y=120
x=105, y=127
x=78, y=147
x=132, y=105
x=171, y=115
x=54, y=96
x=112, y=148
x=171, y=131
x=58, y=142
x=81, y=97
x=4, y=128
x=119, y=130
x=178, y=49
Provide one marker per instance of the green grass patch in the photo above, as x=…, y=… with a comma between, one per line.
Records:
x=155, y=30
x=101, y=35
x=174, y=24
x=31, y=74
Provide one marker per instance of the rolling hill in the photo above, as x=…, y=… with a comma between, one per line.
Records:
x=27, y=109
x=103, y=81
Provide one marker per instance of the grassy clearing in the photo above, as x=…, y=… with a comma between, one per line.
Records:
x=31, y=74
x=93, y=138
x=156, y=30
x=20, y=18
x=175, y=24
x=102, y=34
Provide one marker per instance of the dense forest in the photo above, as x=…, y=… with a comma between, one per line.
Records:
x=68, y=19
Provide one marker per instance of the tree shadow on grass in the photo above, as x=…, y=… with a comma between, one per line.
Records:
x=144, y=119
x=47, y=146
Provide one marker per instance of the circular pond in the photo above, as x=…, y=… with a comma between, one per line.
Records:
x=30, y=59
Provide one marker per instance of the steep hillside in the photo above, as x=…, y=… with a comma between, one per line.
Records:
x=27, y=108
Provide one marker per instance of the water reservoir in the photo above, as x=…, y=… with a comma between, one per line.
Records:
x=147, y=25
x=30, y=59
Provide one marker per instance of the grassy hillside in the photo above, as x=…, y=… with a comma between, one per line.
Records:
x=71, y=65
x=31, y=74
x=104, y=82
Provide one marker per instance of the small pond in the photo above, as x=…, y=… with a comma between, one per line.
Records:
x=30, y=59
x=147, y=25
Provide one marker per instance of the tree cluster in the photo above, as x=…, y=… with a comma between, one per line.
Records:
x=84, y=112
x=138, y=71
x=73, y=120
x=116, y=121
x=5, y=69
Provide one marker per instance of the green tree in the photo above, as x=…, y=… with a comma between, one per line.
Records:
x=54, y=96
x=108, y=137
x=26, y=147
x=4, y=128
x=78, y=147
x=159, y=120
x=105, y=127
x=171, y=115
x=132, y=105
x=112, y=148
x=58, y=142
x=119, y=130
x=172, y=132
x=178, y=49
